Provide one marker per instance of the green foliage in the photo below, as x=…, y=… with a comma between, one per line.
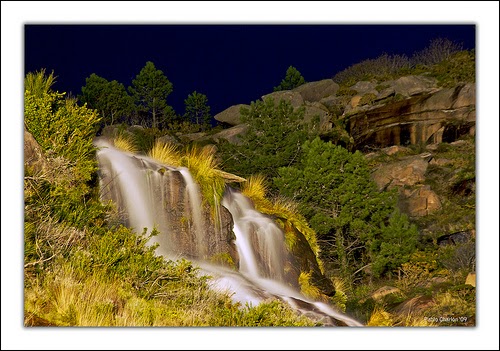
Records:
x=39, y=83
x=342, y=205
x=367, y=99
x=273, y=139
x=381, y=68
x=197, y=110
x=443, y=59
x=397, y=242
x=65, y=131
x=150, y=90
x=109, y=98
x=59, y=124
x=82, y=271
x=457, y=68
x=292, y=80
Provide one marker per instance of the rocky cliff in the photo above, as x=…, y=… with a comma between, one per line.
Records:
x=387, y=121
x=406, y=111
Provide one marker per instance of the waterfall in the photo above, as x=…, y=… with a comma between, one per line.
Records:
x=259, y=241
x=150, y=195
x=195, y=203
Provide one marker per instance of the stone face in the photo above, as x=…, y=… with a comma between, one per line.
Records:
x=170, y=139
x=315, y=91
x=303, y=259
x=294, y=97
x=384, y=291
x=419, y=202
x=406, y=172
x=415, y=304
x=412, y=85
x=231, y=134
x=365, y=87
x=386, y=93
x=394, y=149
x=314, y=111
x=428, y=117
x=33, y=154
x=231, y=115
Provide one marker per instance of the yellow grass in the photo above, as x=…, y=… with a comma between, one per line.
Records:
x=166, y=153
x=125, y=143
x=255, y=188
x=308, y=289
x=380, y=318
x=203, y=166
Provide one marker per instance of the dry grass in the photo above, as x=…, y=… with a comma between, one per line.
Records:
x=380, y=318
x=203, y=166
x=308, y=289
x=255, y=188
x=201, y=163
x=166, y=153
x=125, y=143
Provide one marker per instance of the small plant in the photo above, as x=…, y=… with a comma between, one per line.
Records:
x=166, y=153
x=380, y=318
x=125, y=142
x=367, y=99
x=308, y=289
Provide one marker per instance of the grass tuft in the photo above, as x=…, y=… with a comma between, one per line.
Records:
x=125, y=143
x=166, y=153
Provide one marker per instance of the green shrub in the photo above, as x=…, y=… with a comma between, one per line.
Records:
x=458, y=68
x=367, y=99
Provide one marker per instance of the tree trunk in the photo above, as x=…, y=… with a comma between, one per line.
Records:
x=154, y=113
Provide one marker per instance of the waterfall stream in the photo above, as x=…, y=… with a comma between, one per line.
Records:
x=149, y=195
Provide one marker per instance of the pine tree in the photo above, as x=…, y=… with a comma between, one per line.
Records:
x=150, y=90
x=273, y=139
x=197, y=109
x=292, y=80
x=110, y=99
x=342, y=204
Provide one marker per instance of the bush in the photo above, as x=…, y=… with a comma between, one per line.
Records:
x=381, y=68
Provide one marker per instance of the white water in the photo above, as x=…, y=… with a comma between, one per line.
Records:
x=132, y=183
x=259, y=241
x=193, y=191
x=254, y=230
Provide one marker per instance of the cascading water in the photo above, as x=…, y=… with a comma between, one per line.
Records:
x=150, y=195
x=252, y=229
x=193, y=192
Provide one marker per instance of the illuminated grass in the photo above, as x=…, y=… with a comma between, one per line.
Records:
x=308, y=289
x=60, y=298
x=125, y=143
x=380, y=318
x=166, y=153
x=203, y=166
x=340, y=297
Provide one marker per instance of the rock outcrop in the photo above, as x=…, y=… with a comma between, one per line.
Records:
x=429, y=116
x=407, y=175
x=405, y=111
x=231, y=115
x=315, y=91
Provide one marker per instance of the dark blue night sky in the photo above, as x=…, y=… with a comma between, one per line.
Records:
x=231, y=64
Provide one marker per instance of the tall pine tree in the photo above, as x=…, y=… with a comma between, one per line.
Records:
x=150, y=90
